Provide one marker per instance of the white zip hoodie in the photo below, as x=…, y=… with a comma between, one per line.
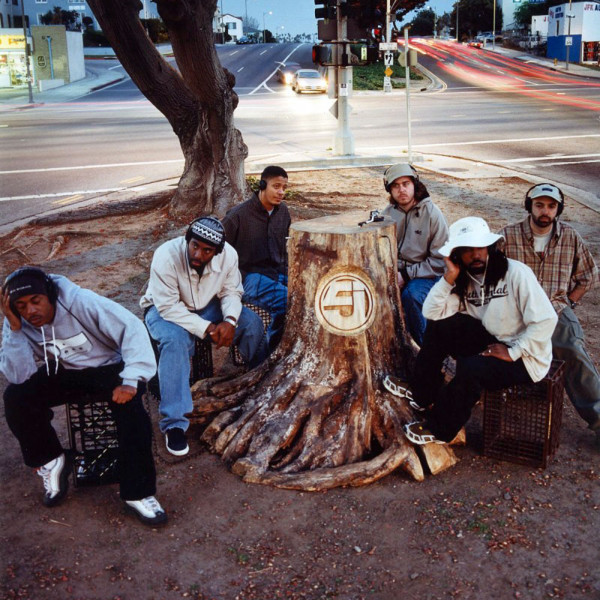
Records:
x=88, y=330
x=517, y=312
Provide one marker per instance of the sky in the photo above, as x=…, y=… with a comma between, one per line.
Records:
x=293, y=16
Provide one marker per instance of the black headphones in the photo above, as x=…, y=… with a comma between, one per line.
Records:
x=262, y=184
x=213, y=223
x=550, y=188
x=388, y=186
x=50, y=286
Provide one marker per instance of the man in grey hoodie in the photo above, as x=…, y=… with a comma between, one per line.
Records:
x=421, y=229
x=88, y=344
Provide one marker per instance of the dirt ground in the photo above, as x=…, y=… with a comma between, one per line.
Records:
x=482, y=529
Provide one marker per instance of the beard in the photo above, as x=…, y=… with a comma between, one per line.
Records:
x=542, y=222
x=477, y=268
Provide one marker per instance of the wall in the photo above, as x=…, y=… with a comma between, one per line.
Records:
x=75, y=55
x=584, y=27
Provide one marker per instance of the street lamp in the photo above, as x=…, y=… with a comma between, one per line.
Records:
x=494, y=27
x=27, y=54
x=267, y=12
x=570, y=15
x=457, y=7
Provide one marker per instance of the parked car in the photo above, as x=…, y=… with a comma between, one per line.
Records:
x=285, y=72
x=309, y=80
x=245, y=40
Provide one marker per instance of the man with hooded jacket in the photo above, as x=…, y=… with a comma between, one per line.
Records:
x=88, y=345
x=421, y=229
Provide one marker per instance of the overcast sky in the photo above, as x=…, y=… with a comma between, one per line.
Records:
x=293, y=16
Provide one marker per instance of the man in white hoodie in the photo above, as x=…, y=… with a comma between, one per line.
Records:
x=195, y=289
x=492, y=315
x=89, y=345
x=421, y=229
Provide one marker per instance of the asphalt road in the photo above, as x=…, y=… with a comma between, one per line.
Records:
x=488, y=108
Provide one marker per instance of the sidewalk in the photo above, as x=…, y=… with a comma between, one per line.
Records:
x=561, y=67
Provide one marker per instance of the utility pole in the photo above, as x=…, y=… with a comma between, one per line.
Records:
x=569, y=40
x=344, y=140
x=407, y=84
x=27, y=54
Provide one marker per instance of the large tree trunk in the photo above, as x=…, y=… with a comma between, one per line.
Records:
x=198, y=100
x=315, y=415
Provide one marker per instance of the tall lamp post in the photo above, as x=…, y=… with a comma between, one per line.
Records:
x=457, y=7
x=267, y=12
x=494, y=27
x=27, y=54
x=569, y=16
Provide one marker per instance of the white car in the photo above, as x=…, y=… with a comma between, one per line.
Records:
x=309, y=80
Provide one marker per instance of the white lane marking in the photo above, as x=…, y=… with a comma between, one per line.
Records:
x=106, y=166
x=115, y=67
x=234, y=52
x=511, y=140
x=59, y=194
x=262, y=52
x=539, y=158
x=240, y=69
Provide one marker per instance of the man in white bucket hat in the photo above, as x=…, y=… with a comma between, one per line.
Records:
x=420, y=231
x=492, y=315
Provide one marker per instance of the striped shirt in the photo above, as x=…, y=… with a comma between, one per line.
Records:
x=565, y=264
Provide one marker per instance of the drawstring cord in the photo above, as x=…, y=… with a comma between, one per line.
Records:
x=46, y=352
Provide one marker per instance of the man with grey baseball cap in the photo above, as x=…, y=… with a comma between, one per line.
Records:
x=566, y=270
x=420, y=231
x=491, y=315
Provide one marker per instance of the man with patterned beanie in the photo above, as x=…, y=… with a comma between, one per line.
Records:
x=195, y=290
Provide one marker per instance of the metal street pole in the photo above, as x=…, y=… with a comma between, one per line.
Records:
x=494, y=27
x=344, y=141
x=27, y=54
x=457, y=7
x=407, y=85
x=268, y=12
x=568, y=35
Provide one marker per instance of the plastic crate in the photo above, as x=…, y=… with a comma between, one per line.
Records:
x=521, y=423
x=265, y=317
x=201, y=364
x=94, y=443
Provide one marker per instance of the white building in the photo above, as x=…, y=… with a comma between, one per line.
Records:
x=581, y=34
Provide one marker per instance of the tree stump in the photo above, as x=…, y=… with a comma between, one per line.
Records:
x=315, y=415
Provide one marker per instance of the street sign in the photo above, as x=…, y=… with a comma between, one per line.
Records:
x=568, y=41
x=343, y=89
x=388, y=72
x=412, y=58
x=388, y=46
x=388, y=59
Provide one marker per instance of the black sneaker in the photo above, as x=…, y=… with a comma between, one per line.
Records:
x=55, y=475
x=176, y=441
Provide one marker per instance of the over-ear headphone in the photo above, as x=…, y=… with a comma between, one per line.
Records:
x=551, y=189
x=211, y=225
x=262, y=185
x=49, y=285
x=402, y=173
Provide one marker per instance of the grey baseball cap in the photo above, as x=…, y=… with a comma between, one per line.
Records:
x=400, y=170
x=547, y=190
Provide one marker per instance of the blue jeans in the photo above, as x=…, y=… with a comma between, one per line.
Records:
x=176, y=347
x=413, y=295
x=582, y=382
x=270, y=295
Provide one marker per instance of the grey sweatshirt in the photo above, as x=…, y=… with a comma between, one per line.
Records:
x=88, y=330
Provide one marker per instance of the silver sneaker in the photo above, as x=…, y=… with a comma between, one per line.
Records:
x=55, y=476
x=147, y=510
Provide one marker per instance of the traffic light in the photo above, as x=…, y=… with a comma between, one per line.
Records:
x=322, y=55
x=327, y=9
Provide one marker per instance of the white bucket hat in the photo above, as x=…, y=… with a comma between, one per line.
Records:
x=470, y=232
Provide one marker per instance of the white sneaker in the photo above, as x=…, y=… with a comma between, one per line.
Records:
x=55, y=475
x=147, y=510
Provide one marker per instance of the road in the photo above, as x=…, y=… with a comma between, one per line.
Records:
x=489, y=108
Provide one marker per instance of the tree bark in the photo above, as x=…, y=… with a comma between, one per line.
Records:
x=198, y=99
x=315, y=415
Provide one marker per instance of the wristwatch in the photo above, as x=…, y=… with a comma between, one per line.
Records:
x=573, y=304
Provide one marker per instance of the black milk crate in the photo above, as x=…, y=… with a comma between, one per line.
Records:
x=265, y=317
x=521, y=423
x=94, y=443
x=201, y=364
